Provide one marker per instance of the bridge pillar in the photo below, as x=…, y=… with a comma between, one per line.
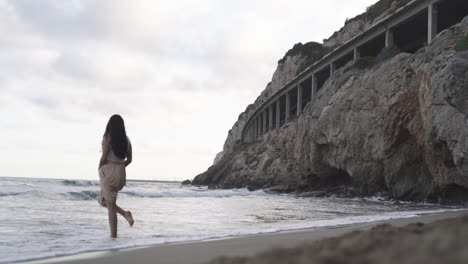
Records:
x=299, y=100
x=246, y=134
x=258, y=126
x=255, y=127
x=357, y=54
x=314, y=87
x=270, y=112
x=268, y=121
x=432, y=22
x=261, y=123
x=252, y=132
x=389, y=39
x=252, y=127
x=288, y=107
x=332, y=68
x=278, y=112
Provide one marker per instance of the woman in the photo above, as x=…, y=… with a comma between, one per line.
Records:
x=116, y=155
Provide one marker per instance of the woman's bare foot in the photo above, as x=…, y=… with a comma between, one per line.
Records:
x=129, y=218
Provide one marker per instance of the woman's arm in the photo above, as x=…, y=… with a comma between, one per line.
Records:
x=129, y=155
x=105, y=151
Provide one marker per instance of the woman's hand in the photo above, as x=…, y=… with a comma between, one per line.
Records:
x=129, y=156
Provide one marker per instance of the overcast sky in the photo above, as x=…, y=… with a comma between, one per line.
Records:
x=179, y=72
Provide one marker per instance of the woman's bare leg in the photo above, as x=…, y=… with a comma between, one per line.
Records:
x=126, y=214
x=112, y=211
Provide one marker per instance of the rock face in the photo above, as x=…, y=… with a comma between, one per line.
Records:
x=398, y=129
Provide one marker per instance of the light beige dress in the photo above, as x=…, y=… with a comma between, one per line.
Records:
x=112, y=177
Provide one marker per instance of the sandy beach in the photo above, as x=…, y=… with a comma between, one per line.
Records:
x=212, y=250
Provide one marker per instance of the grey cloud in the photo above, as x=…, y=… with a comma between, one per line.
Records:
x=60, y=18
x=109, y=104
x=73, y=64
x=43, y=101
x=195, y=42
x=184, y=84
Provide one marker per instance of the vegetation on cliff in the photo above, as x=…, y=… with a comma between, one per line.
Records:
x=375, y=10
x=462, y=44
x=361, y=63
x=368, y=61
x=311, y=51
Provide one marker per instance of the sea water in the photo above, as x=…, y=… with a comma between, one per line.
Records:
x=42, y=218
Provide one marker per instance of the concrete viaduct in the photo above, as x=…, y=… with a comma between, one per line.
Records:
x=410, y=28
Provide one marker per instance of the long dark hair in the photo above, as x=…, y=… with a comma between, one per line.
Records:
x=115, y=129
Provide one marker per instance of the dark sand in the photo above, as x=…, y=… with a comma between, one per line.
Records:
x=423, y=241
x=444, y=241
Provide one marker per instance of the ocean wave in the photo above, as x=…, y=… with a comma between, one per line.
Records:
x=172, y=193
x=29, y=194
x=79, y=183
x=3, y=194
x=84, y=195
x=35, y=194
x=194, y=193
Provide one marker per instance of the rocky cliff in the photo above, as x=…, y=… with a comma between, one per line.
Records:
x=397, y=129
x=301, y=56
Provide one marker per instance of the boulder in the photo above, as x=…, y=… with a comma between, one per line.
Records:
x=186, y=182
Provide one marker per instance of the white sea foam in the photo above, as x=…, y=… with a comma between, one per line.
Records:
x=194, y=193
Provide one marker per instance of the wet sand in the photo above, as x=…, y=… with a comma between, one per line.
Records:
x=398, y=243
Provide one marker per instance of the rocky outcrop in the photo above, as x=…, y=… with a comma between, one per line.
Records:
x=186, y=182
x=397, y=129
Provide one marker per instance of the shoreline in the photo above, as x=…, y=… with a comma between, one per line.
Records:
x=245, y=245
